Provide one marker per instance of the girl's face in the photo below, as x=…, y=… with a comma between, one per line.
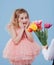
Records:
x=23, y=18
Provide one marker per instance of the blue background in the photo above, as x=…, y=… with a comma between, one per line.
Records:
x=37, y=9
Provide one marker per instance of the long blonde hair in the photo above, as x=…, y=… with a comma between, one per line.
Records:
x=15, y=16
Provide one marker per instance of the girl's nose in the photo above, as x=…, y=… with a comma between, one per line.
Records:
x=24, y=20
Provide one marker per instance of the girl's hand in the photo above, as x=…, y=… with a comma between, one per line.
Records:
x=29, y=35
x=27, y=25
x=18, y=38
x=21, y=25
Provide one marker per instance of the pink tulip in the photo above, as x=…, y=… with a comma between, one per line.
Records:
x=39, y=24
x=47, y=25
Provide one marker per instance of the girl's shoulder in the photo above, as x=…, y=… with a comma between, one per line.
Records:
x=9, y=26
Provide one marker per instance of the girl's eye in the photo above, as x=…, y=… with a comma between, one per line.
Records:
x=26, y=17
x=22, y=18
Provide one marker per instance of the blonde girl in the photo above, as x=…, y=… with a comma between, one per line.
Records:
x=21, y=49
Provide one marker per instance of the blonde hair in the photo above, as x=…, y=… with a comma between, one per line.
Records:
x=15, y=16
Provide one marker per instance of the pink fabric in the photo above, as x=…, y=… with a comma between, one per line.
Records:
x=22, y=62
x=25, y=50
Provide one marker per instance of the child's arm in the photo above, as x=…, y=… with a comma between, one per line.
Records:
x=20, y=33
x=16, y=38
x=19, y=36
x=11, y=30
x=29, y=35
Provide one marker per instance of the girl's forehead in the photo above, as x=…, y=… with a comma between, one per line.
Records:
x=23, y=14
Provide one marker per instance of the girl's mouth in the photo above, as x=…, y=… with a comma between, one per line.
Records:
x=25, y=23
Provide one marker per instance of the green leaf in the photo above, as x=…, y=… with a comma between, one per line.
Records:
x=42, y=37
x=45, y=33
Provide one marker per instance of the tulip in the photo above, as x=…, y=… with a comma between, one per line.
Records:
x=47, y=25
x=42, y=35
x=29, y=29
x=32, y=27
x=39, y=24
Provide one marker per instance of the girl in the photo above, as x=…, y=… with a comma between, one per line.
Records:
x=48, y=52
x=21, y=49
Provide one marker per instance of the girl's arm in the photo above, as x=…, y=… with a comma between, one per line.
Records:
x=20, y=33
x=19, y=36
x=29, y=35
x=16, y=38
x=11, y=30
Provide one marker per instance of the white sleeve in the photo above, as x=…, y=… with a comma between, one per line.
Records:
x=51, y=50
x=45, y=53
x=49, y=53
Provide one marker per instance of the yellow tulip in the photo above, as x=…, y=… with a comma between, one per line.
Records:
x=33, y=26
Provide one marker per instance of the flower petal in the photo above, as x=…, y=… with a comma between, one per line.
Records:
x=47, y=25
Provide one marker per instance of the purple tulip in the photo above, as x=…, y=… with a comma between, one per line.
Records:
x=47, y=25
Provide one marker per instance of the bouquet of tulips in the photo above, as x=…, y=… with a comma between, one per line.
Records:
x=42, y=33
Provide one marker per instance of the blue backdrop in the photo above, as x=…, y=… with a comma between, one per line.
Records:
x=37, y=9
